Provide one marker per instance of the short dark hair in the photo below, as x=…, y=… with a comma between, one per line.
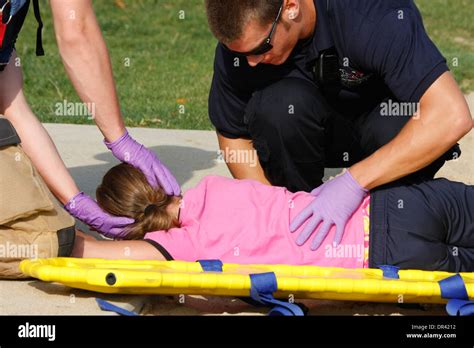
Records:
x=227, y=18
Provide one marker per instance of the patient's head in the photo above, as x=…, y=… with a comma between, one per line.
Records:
x=125, y=191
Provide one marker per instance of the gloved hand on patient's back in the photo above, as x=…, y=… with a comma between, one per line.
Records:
x=336, y=200
x=127, y=150
x=87, y=210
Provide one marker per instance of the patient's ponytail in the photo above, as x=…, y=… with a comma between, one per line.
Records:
x=125, y=191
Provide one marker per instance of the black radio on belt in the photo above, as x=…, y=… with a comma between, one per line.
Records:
x=326, y=71
x=331, y=76
x=326, y=68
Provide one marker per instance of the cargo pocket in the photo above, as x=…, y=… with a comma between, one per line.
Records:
x=23, y=192
x=32, y=222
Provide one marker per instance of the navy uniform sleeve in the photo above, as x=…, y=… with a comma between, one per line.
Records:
x=226, y=103
x=403, y=54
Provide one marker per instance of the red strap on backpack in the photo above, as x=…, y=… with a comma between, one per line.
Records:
x=3, y=26
x=3, y=29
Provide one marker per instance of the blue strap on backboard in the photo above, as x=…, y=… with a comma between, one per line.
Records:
x=454, y=289
x=109, y=307
x=390, y=271
x=263, y=285
x=211, y=265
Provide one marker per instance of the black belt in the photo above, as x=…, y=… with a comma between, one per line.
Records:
x=66, y=238
x=8, y=135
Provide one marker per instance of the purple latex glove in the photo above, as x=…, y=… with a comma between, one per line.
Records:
x=335, y=202
x=127, y=150
x=87, y=210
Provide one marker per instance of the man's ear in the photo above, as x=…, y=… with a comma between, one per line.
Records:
x=292, y=9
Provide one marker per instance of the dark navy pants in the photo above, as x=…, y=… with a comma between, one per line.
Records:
x=297, y=132
x=427, y=225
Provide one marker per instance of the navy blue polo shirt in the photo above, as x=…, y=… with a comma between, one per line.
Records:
x=385, y=38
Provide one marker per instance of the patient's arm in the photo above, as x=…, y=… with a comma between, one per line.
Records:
x=87, y=247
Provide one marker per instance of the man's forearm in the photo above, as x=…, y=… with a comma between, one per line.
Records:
x=34, y=139
x=247, y=167
x=444, y=119
x=87, y=63
x=41, y=150
x=402, y=156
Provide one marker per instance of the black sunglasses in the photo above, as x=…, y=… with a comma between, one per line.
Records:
x=266, y=45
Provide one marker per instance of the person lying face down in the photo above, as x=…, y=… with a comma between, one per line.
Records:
x=427, y=225
x=125, y=190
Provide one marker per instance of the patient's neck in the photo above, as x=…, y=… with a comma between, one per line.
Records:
x=174, y=207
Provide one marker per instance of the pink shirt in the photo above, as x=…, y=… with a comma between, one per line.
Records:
x=244, y=221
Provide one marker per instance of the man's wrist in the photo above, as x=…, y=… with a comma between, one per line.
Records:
x=362, y=176
x=116, y=134
x=72, y=204
x=354, y=183
x=110, y=141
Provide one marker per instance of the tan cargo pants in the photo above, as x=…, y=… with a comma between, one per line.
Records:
x=32, y=222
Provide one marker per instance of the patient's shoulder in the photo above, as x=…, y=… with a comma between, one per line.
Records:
x=218, y=178
x=215, y=180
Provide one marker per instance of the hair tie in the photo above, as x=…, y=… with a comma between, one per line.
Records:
x=149, y=209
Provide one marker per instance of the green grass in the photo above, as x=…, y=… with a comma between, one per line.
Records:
x=171, y=59
x=450, y=24
x=170, y=63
